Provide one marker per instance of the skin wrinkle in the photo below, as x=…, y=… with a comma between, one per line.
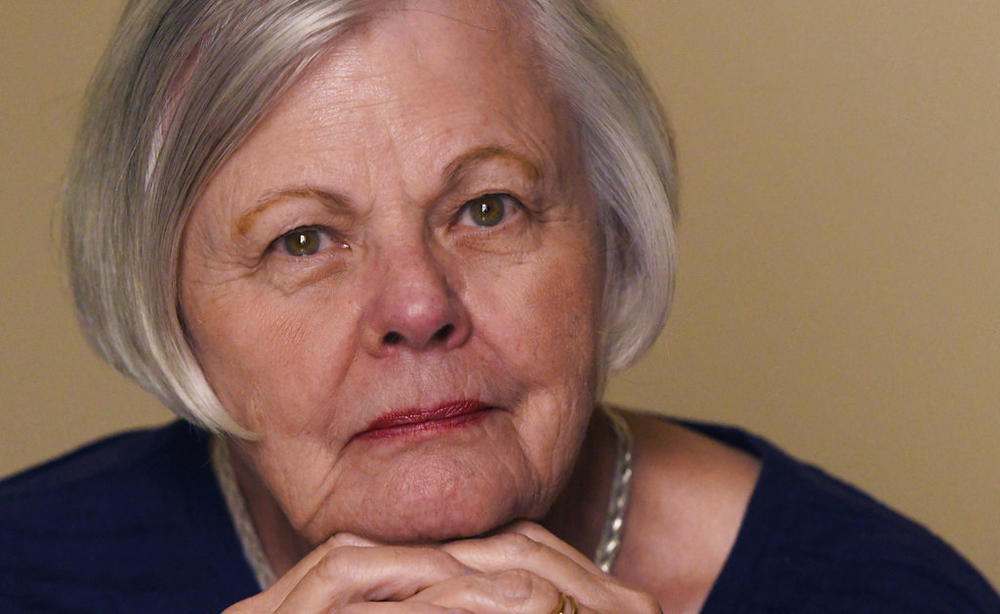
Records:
x=246, y=221
x=529, y=294
x=452, y=18
x=455, y=169
x=503, y=282
x=417, y=385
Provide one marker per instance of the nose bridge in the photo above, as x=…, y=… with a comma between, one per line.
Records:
x=412, y=274
x=415, y=305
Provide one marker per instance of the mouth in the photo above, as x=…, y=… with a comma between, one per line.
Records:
x=418, y=420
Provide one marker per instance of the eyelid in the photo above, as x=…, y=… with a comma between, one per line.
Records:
x=332, y=237
x=512, y=206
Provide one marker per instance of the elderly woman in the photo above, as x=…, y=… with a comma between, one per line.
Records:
x=382, y=255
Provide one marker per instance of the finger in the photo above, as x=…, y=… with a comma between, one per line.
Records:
x=570, y=572
x=398, y=607
x=514, y=550
x=350, y=539
x=347, y=574
x=503, y=592
x=277, y=592
x=538, y=533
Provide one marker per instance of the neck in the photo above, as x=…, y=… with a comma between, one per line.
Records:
x=282, y=545
x=579, y=513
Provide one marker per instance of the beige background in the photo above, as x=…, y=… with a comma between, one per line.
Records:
x=839, y=244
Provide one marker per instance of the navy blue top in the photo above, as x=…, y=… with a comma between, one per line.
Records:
x=136, y=523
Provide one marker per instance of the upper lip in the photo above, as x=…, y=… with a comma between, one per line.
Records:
x=418, y=415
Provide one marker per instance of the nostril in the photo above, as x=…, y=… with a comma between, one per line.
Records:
x=397, y=338
x=444, y=332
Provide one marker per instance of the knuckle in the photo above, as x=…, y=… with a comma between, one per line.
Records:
x=514, y=586
x=335, y=564
x=526, y=527
x=444, y=560
x=515, y=545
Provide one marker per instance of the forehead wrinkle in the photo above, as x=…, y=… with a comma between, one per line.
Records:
x=449, y=18
x=373, y=92
x=329, y=199
x=493, y=15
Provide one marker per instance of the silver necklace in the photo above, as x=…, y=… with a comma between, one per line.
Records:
x=604, y=556
x=621, y=485
x=253, y=549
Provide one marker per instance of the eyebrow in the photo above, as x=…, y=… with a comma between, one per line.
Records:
x=245, y=222
x=453, y=172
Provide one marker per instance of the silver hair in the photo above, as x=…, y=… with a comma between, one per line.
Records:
x=184, y=82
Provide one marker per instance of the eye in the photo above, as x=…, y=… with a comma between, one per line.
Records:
x=488, y=210
x=305, y=241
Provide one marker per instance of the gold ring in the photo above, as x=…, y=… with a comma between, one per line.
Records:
x=566, y=605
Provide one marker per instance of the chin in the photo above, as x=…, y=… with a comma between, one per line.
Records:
x=442, y=501
x=429, y=529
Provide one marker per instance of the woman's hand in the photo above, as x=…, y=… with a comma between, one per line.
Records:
x=348, y=571
x=526, y=563
x=524, y=568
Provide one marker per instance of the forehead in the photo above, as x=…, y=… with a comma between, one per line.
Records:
x=418, y=79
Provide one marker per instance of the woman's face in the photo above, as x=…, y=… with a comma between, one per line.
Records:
x=396, y=282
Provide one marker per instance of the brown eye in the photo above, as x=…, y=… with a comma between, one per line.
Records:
x=487, y=210
x=302, y=242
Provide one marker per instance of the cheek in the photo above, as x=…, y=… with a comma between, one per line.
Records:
x=542, y=315
x=543, y=322
x=262, y=353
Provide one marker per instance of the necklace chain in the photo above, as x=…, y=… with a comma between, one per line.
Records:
x=253, y=549
x=604, y=556
x=621, y=483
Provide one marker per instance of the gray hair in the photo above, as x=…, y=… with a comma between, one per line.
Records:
x=184, y=82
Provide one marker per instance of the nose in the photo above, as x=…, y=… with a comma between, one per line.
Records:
x=415, y=307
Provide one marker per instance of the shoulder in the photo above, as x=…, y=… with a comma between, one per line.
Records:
x=114, y=522
x=810, y=542
x=126, y=479
x=690, y=492
x=104, y=459
x=95, y=484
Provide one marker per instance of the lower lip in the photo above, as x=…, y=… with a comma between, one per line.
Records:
x=441, y=419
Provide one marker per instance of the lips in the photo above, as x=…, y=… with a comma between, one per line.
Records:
x=417, y=420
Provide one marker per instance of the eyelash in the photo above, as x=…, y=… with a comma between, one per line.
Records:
x=279, y=244
x=511, y=206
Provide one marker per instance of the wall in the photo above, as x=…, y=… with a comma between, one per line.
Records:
x=839, y=262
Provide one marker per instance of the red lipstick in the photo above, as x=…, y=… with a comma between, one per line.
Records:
x=410, y=421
